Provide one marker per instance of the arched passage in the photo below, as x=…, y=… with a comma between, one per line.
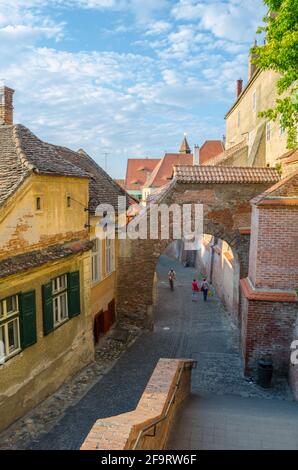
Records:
x=225, y=194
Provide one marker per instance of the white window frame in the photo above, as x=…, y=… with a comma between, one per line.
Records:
x=60, y=299
x=6, y=318
x=254, y=101
x=96, y=260
x=110, y=256
x=268, y=131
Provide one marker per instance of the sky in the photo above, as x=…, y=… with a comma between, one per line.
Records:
x=125, y=78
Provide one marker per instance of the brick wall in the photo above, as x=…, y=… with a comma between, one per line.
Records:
x=274, y=248
x=122, y=432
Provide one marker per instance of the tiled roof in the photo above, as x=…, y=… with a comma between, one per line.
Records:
x=284, y=191
x=289, y=157
x=210, y=149
x=33, y=259
x=163, y=172
x=221, y=157
x=138, y=170
x=21, y=153
x=103, y=189
x=224, y=175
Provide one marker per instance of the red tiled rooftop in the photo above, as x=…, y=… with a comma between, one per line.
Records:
x=210, y=149
x=224, y=174
x=138, y=170
x=284, y=192
x=163, y=172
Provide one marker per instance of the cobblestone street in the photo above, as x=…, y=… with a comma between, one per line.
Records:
x=198, y=330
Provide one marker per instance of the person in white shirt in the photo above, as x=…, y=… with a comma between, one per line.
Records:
x=172, y=278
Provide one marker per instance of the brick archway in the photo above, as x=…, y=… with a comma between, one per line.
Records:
x=225, y=194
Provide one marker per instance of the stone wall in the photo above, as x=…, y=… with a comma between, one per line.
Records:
x=226, y=210
x=154, y=414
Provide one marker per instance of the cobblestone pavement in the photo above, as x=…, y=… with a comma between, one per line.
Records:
x=113, y=385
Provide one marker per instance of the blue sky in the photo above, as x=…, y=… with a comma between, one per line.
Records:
x=125, y=77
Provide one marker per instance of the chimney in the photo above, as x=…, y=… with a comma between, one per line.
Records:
x=6, y=105
x=239, y=85
x=196, y=155
x=251, y=66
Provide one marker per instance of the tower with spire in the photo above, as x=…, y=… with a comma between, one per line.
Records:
x=184, y=148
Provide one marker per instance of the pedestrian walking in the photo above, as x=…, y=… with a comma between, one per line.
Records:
x=172, y=278
x=195, y=290
x=205, y=289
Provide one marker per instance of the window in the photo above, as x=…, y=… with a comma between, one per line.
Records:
x=38, y=204
x=68, y=201
x=96, y=260
x=60, y=300
x=9, y=327
x=268, y=131
x=254, y=101
x=110, y=248
x=60, y=306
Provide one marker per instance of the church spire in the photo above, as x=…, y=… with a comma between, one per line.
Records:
x=184, y=148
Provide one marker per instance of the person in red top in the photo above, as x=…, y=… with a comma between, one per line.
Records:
x=195, y=290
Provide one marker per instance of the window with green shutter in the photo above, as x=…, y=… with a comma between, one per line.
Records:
x=47, y=307
x=27, y=308
x=74, y=300
x=61, y=300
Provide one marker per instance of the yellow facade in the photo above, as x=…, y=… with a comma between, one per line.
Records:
x=243, y=122
x=28, y=375
x=34, y=373
x=23, y=227
x=103, y=290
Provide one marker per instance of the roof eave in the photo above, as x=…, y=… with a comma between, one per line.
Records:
x=249, y=83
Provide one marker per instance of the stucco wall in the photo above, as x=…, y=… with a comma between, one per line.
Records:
x=265, y=86
x=23, y=228
x=29, y=377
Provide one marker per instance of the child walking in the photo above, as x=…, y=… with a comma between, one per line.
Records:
x=195, y=290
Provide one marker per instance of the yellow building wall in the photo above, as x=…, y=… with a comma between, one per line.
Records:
x=104, y=290
x=23, y=228
x=32, y=375
x=264, y=84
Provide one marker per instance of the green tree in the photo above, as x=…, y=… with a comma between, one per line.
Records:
x=280, y=53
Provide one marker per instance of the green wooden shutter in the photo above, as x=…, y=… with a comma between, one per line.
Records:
x=27, y=308
x=47, y=308
x=74, y=305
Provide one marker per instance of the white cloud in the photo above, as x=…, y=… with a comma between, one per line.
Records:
x=128, y=104
x=159, y=27
x=233, y=20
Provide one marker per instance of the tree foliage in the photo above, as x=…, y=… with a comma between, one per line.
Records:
x=280, y=53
